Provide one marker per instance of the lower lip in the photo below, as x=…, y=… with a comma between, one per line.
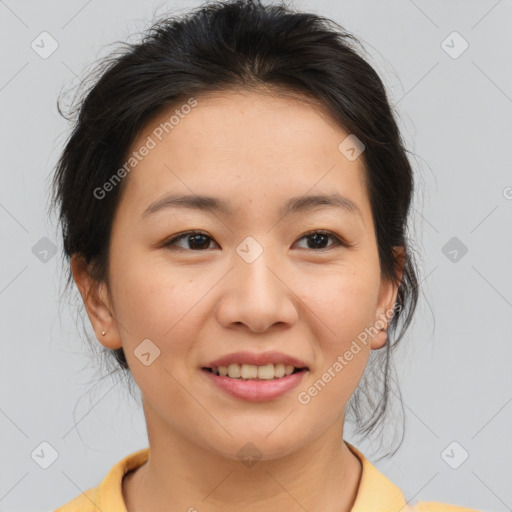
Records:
x=256, y=390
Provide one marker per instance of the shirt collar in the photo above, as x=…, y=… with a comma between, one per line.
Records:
x=376, y=493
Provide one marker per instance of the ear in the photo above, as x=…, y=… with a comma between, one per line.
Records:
x=97, y=303
x=386, y=301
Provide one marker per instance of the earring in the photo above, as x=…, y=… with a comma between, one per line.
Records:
x=103, y=333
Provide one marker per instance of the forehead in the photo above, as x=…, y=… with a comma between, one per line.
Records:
x=248, y=145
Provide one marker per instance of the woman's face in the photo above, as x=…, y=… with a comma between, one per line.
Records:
x=255, y=280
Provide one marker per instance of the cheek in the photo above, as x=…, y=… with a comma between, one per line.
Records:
x=353, y=308
x=161, y=303
x=344, y=307
x=344, y=301
x=146, y=297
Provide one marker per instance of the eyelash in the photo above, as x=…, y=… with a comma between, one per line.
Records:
x=338, y=241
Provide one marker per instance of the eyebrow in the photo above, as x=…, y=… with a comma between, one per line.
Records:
x=213, y=204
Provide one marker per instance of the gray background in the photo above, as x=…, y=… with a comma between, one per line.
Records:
x=455, y=365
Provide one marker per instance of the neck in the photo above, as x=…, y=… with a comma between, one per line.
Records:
x=180, y=475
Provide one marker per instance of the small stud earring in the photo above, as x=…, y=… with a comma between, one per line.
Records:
x=103, y=333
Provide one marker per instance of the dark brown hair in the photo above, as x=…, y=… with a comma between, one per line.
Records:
x=222, y=46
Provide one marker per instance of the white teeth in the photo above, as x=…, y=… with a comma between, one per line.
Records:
x=279, y=370
x=249, y=371
x=252, y=371
x=233, y=371
x=266, y=372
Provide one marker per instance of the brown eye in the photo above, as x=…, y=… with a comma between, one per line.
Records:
x=195, y=240
x=199, y=241
x=318, y=239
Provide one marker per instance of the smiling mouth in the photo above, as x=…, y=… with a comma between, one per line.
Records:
x=253, y=372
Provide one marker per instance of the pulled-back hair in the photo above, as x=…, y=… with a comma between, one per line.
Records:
x=226, y=46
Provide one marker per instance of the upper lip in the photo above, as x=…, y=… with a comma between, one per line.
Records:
x=258, y=359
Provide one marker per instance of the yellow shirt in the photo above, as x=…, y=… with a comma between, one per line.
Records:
x=375, y=494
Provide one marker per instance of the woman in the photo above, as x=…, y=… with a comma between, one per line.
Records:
x=234, y=200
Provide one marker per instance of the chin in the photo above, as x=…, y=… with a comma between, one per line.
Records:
x=255, y=445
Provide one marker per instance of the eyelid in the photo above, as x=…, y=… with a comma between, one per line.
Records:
x=169, y=242
x=340, y=241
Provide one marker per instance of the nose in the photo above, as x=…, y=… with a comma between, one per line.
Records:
x=257, y=295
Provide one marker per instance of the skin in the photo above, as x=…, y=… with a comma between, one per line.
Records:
x=255, y=150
